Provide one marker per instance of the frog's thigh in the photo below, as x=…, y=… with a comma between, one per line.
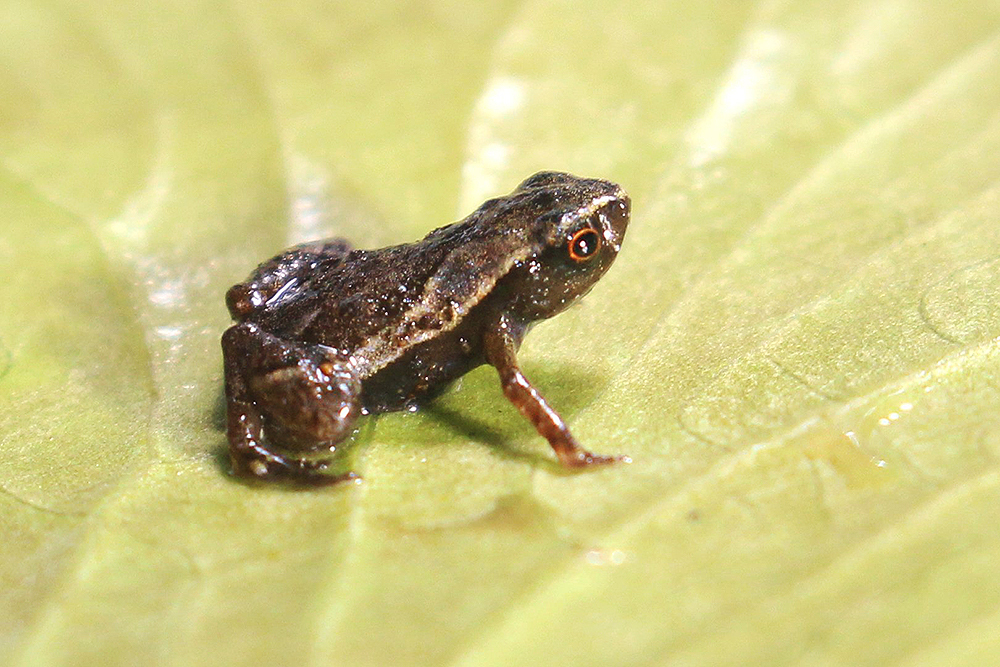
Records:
x=312, y=403
x=300, y=260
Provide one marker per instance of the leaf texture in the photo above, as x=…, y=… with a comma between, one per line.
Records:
x=798, y=345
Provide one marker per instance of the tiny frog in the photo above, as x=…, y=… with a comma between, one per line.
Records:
x=326, y=333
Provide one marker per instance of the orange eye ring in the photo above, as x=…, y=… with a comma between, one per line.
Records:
x=584, y=244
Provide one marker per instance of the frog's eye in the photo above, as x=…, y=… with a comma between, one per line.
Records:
x=584, y=244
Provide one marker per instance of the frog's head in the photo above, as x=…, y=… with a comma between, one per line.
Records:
x=578, y=227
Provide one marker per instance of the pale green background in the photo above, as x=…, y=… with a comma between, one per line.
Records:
x=797, y=344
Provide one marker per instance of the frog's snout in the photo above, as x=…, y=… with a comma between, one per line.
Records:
x=615, y=216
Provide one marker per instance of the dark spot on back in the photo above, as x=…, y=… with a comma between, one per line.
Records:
x=428, y=321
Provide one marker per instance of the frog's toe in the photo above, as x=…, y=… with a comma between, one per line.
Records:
x=325, y=479
x=583, y=459
x=296, y=471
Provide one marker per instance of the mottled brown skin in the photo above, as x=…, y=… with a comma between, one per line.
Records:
x=325, y=333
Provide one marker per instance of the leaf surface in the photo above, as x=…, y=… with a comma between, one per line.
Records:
x=797, y=345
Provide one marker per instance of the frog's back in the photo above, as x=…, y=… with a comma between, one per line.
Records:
x=363, y=299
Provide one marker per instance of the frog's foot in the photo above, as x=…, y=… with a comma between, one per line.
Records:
x=267, y=466
x=581, y=458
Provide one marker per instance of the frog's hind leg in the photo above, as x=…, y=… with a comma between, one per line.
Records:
x=284, y=275
x=284, y=402
x=302, y=259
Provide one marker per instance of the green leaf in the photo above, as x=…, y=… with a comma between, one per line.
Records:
x=798, y=345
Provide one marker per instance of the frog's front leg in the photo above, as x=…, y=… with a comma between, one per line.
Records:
x=285, y=400
x=500, y=347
